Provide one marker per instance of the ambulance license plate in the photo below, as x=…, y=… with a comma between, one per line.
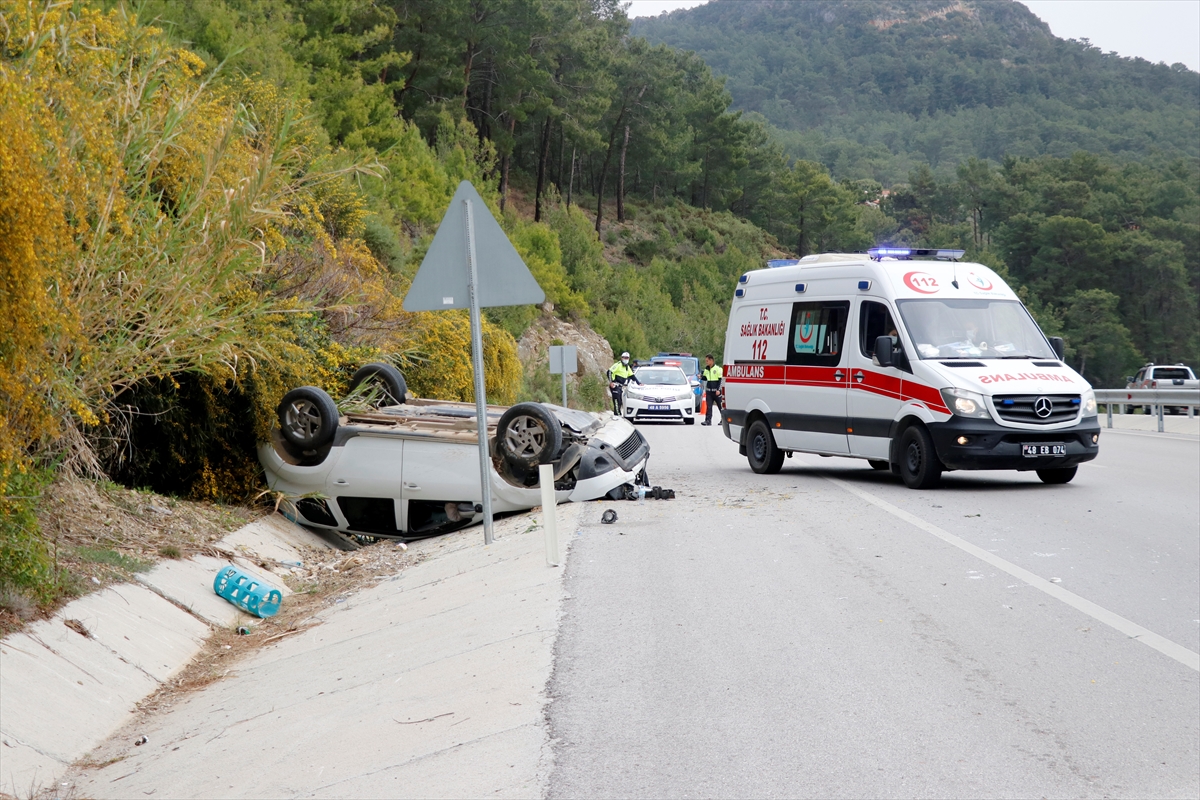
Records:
x=1042, y=450
x=660, y=408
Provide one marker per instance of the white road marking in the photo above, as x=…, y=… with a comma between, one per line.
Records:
x=1131, y=629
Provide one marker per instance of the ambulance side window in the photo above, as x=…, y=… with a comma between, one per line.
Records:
x=818, y=333
x=874, y=321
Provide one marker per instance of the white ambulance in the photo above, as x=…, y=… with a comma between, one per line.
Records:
x=906, y=358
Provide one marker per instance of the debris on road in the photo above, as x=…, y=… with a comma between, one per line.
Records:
x=608, y=517
x=141, y=740
x=78, y=627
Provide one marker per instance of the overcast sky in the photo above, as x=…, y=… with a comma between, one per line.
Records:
x=1156, y=30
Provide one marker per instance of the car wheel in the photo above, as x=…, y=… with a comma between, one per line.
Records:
x=689, y=420
x=391, y=380
x=880, y=465
x=919, y=464
x=764, y=457
x=1057, y=476
x=528, y=435
x=308, y=417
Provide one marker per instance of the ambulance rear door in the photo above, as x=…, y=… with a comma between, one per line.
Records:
x=874, y=398
x=756, y=358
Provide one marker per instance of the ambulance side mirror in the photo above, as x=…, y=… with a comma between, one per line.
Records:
x=1056, y=342
x=883, y=351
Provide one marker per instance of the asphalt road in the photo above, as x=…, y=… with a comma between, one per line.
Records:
x=827, y=632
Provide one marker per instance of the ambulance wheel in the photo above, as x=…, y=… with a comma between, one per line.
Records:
x=919, y=464
x=880, y=465
x=1056, y=476
x=764, y=457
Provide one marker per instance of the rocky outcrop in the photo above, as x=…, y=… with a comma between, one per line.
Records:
x=595, y=353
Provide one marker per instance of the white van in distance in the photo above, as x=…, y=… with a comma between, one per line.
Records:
x=918, y=366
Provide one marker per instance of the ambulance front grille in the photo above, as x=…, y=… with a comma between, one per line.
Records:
x=1024, y=408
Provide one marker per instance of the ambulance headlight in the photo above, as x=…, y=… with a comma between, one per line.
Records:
x=1089, y=403
x=965, y=404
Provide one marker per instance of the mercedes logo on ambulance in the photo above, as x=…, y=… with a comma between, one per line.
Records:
x=1042, y=407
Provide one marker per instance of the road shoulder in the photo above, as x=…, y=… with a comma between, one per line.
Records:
x=432, y=683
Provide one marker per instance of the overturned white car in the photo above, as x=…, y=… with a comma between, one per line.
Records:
x=408, y=468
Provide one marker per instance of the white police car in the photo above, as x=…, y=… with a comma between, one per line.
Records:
x=659, y=392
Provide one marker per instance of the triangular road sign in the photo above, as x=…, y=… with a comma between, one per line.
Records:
x=441, y=282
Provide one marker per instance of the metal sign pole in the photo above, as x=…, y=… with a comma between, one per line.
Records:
x=564, y=377
x=477, y=365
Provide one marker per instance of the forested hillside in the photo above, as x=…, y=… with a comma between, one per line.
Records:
x=871, y=88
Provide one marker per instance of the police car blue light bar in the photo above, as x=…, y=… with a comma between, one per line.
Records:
x=914, y=252
x=783, y=262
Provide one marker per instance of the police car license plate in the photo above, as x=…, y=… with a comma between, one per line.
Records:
x=660, y=408
x=1041, y=450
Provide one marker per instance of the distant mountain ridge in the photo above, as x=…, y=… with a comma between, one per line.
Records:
x=871, y=87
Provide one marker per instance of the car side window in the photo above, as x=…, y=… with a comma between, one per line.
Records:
x=818, y=331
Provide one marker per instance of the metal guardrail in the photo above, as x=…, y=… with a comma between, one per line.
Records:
x=1154, y=398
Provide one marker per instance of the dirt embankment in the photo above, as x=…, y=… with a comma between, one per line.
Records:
x=595, y=353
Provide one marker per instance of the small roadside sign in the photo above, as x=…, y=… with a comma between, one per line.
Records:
x=451, y=276
x=564, y=360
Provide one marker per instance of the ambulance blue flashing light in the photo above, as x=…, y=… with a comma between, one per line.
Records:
x=740, y=293
x=783, y=262
x=800, y=287
x=745, y=277
x=864, y=286
x=914, y=252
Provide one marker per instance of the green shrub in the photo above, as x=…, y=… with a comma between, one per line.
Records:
x=25, y=567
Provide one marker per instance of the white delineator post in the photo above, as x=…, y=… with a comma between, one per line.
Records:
x=477, y=364
x=549, y=513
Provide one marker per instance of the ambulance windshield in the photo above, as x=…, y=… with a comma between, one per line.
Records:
x=973, y=329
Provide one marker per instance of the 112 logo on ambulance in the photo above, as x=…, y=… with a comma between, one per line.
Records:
x=762, y=333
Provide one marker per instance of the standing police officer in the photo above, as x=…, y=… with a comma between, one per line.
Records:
x=711, y=375
x=618, y=375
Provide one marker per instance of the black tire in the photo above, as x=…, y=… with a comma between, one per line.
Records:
x=920, y=467
x=391, y=380
x=1057, y=476
x=689, y=420
x=879, y=465
x=764, y=457
x=308, y=418
x=528, y=435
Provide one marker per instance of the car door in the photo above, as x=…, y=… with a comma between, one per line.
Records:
x=366, y=482
x=813, y=417
x=437, y=472
x=874, y=394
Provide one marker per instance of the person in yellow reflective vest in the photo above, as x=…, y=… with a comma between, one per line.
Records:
x=618, y=375
x=711, y=377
